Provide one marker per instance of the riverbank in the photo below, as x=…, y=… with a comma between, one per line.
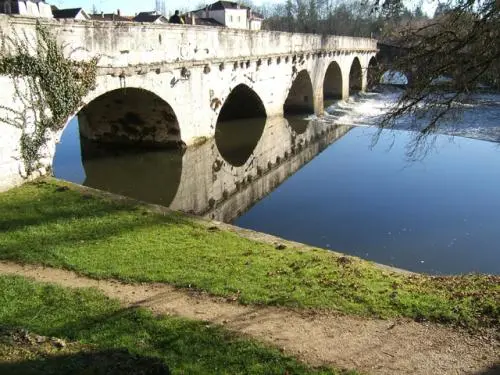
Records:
x=321, y=307
x=56, y=224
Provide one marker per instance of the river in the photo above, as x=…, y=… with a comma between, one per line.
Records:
x=326, y=184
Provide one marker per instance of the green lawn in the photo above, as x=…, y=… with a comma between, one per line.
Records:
x=104, y=338
x=46, y=223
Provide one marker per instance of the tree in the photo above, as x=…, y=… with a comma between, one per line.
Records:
x=289, y=16
x=160, y=7
x=461, y=43
x=419, y=13
x=345, y=17
x=313, y=15
x=442, y=9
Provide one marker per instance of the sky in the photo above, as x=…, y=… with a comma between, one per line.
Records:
x=131, y=7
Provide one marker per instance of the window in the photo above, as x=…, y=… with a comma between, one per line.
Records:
x=231, y=18
x=239, y=18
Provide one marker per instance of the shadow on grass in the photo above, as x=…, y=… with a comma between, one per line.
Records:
x=43, y=222
x=96, y=362
x=190, y=346
x=134, y=341
x=46, y=203
x=91, y=323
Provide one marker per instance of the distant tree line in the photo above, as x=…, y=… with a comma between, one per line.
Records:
x=461, y=38
x=339, y=17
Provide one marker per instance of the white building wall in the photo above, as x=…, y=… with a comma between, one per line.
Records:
x=32, y=9
x=255, y=24
x=236, y=18
x=22, y=8
x=81, y=17
x=45, y=11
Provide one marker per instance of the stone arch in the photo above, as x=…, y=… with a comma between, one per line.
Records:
x=332, y=83
x=300, y=97
x=395, y=78
x=130, y=116
x=242, y=102
x=115, y=126
x=355, y=77
x=240, y=125
x=373, y=75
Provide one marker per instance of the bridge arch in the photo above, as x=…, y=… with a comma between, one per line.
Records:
x=373, y=75
x=355, y=77
x=240, y=125
x=242, y=102
x=300, y=97
x=332, y=83
x=130, y=116
x=121, y=122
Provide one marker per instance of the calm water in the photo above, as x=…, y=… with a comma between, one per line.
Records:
x=322, y=184
x=441, y=215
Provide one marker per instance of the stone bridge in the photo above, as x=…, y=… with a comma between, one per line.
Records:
x=160, y=85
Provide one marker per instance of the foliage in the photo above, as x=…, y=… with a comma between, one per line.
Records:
x=49, y=86
x=49, y=224
x=460, y=44
x=104, y=338
x=351, y=18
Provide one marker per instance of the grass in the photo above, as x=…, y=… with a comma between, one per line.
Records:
x=104, y=338
x=47, y=223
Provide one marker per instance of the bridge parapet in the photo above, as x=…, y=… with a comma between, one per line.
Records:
x=123, y=44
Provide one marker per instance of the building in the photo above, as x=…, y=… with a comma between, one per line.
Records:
x=150, y=17
x=30, y=8
x=231, y=14
x=113, y=17
x=73, y=13
x=191, y=19
x=255, y=20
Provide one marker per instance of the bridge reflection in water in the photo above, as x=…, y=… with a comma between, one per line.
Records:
x=219, y=179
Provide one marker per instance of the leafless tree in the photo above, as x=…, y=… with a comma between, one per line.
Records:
x=460, y=43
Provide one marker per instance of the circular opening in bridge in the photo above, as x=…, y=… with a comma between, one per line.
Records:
x=240, y=125
x=300, y=96
x=355, y=77
x=373, y=74
x=132, y=117
x=332, y=85
x=121, y=142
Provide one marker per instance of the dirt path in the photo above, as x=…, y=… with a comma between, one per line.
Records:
x=369, y=345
